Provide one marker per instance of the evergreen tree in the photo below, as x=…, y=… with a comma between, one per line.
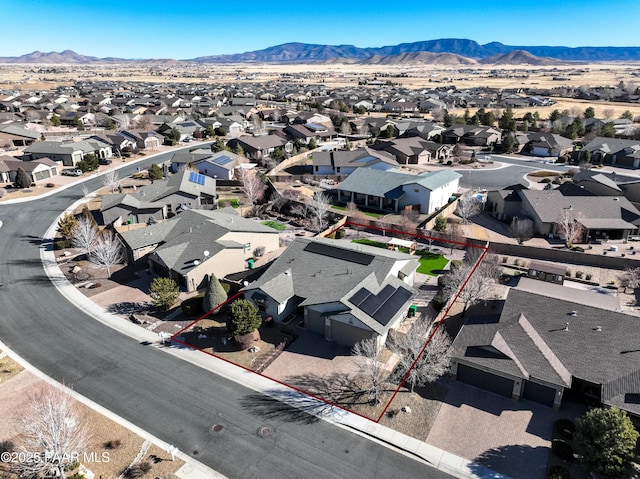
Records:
x=22, y=179
x=66, y=226
x=605, y=439
x=243, y=318
x=214, y=296
x=155, y=173
x=164, y=293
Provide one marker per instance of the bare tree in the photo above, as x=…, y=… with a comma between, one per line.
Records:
x=423, y=358
x=111, y=180
x=471, y=285
x=318, y=209
x=569, y=226
x=629, y=278
x=367, y=355
x=85, y=190
x=53, y=435
x=468, y=206
x=86, y=235
x=252, y=185
x=357, y=218
x=107, y=252
x=521, y=229
x=608, y=113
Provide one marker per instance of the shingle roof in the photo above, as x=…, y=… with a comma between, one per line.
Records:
x=595, y=345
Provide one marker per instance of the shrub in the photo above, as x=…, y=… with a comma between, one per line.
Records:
x=545, y=180
x=516, y=262
x=113, y=444
x=76, y=475
x=579, y=249
x=136, y=471
x=565, y=428
x=505, y=260
x=259, y=251
x=61, y=244
x=562, y=449
x=568, y=274
x=2, y=192
x=438, y=302
x=558, y=472
x=579, y=274
x=95, y=285
x=49, y=185
x=7, y=446
x=340, y=233
x=192, y=306
x=164, y=293
x=588, y=277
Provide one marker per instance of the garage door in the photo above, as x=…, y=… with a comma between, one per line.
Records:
x=538, y=393
x=484, y=380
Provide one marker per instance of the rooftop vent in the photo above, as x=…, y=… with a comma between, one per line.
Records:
x=566, y=327
x=574, y=313
x=598, y=328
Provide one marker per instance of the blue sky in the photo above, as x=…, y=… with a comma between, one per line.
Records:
x=183, y=30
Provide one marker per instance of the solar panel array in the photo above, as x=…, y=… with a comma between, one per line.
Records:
x=382, y=306
x=339, y=253
x=222, y=160
x=196, y=178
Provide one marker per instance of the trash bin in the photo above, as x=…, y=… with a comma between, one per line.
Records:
x=413, y=309
x=250, y=263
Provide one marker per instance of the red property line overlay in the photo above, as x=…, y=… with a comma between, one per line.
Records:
x=424, y=347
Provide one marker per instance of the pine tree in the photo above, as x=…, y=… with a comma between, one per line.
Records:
x=214, y=296
x=22, y=179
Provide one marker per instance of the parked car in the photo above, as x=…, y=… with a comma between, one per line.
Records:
x=104, y=161
x=72, y=172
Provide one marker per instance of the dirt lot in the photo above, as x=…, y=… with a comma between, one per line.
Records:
x=112, y=447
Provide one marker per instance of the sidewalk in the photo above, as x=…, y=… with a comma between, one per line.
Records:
x=433, y=456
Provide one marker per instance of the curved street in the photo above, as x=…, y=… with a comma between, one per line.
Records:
x=174, y=400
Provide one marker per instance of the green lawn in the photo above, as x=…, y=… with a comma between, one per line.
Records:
x=371, y=214
x=233, y=202
x=429, y=262
x=276, y=225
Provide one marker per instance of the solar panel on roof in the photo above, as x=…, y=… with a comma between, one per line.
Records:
x=339, y=253
x=390, y=308
x=223, y=160
x=359, y=296
x=196, y=178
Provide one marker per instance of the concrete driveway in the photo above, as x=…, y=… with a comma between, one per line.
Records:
x=511, y=437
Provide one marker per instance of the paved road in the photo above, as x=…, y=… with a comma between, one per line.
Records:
x=515, y=169
x=172, y=399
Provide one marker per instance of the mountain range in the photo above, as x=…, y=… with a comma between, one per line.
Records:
x=442, y=51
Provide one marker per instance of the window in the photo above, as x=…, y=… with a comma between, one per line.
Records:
x=247, y=247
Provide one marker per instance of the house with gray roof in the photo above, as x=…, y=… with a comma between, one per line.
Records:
x=160, y=200
x=607, y=217
x=197, y=243
x=68, y=152
x=546, y=343
x=14, y=134
x=345, y=292
x=38, y=170
x=394, y=191
x=612, y=151
x=259, y=147
x=414, y=150
x=345, y=162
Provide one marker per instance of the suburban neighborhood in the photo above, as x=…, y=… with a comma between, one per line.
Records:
x=452, y=272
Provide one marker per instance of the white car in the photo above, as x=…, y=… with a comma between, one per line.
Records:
x=72, y=172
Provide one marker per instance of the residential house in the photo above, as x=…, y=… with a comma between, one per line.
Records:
x=345, y=162
x=345, y=292
x=260, y=147
x=395, y=191
x=221, y=165
x=544, y=144
x=198, y=243
x=160, y=200
x=603, y=217
x=413, y=150
x=68, y=152
x=613, y=151
x=145, y=140
x=472, y=135
x=15, y=135
x=550, y=340
x=38, y=170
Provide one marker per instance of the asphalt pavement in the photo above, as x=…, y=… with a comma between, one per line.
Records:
x=219, y=422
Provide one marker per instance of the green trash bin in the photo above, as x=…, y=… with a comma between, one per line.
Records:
x=413, y=309
x=250, y=263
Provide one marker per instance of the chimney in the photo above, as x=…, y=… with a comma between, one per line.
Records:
x=566, y=327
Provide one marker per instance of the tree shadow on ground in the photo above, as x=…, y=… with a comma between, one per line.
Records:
x=130, y=307
x=517, y=461
x=336, y=388
x=287, y=405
